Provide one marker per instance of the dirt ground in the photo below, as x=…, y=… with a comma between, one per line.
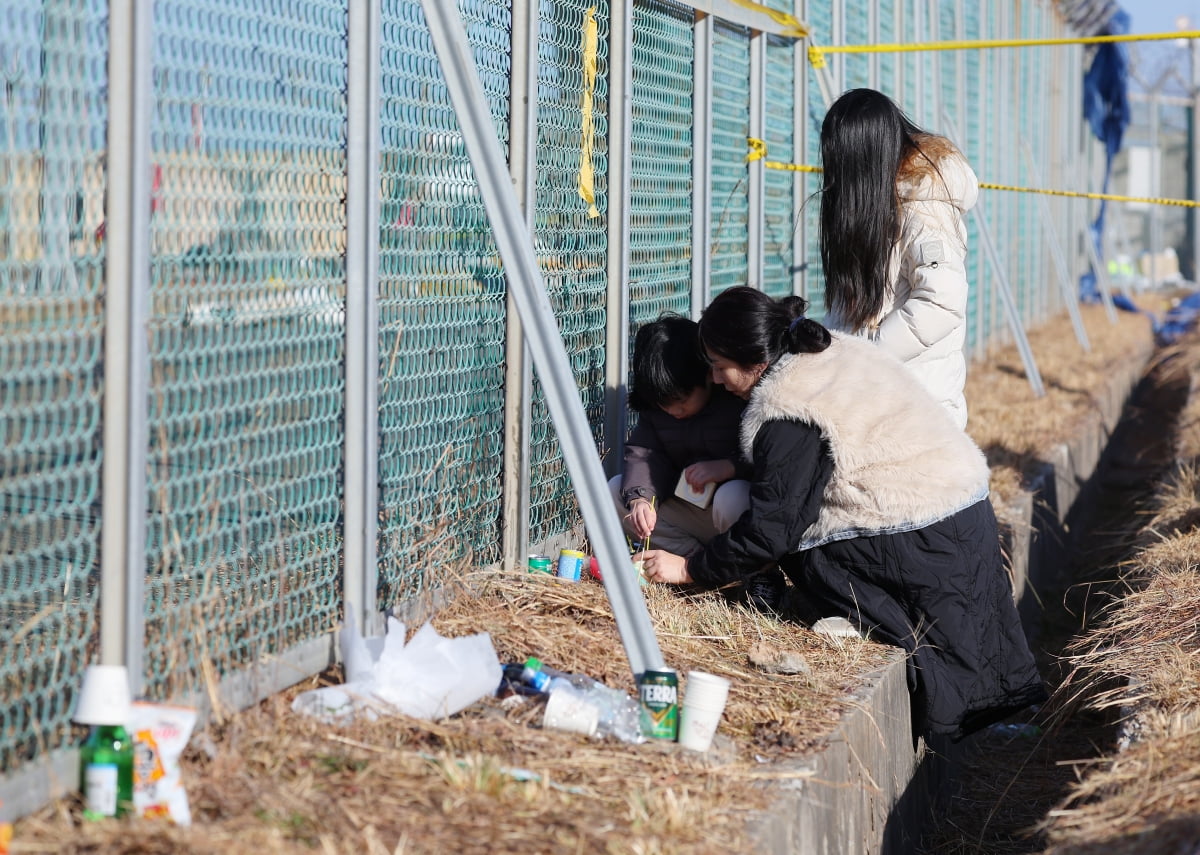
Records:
x=1016, y=778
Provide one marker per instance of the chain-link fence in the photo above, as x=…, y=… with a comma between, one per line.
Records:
x=223, y=316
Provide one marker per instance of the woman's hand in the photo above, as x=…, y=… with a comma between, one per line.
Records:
x=642, y=518
x=707, y=471
x=658, y=565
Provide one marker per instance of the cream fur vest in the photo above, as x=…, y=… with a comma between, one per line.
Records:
x=900, y=461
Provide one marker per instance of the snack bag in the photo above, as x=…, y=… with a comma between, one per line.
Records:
x=160, y=733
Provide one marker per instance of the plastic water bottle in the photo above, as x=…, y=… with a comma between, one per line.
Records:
x=533, y=674
x=106, y=772
x=619, y=713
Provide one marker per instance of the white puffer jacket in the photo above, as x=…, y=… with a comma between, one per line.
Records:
x=924, y=317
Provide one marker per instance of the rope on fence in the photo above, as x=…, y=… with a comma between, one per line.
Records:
x=816, y=55
x=792, y=26
x=758, y=152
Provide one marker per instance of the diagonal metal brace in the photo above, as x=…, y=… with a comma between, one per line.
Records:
x=542, y=334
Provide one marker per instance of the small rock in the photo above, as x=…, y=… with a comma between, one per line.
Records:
x=835, y=627
x=770, y=658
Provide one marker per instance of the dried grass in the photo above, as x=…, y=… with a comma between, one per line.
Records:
x=1014, y=428
x=491, y=779
x=1141, y=663
x=1146, y=801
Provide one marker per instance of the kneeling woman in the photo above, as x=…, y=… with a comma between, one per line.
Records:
x=873, y=501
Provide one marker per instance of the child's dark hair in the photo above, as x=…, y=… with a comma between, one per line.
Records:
x=748, y=327
x=667, y=362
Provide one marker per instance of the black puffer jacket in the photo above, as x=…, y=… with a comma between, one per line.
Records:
x=866, y=515
x=940, y=592
x=660, y=446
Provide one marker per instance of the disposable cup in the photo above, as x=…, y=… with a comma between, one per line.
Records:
x=703, y=704
x=104, y=696
x=566, y=710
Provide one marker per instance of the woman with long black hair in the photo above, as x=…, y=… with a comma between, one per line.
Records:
x=872, y=500
x=893, y=240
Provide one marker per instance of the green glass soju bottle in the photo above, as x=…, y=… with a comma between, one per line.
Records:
x=106, y=772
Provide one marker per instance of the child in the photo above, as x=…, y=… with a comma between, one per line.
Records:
x=893, y=242
x=685, y=426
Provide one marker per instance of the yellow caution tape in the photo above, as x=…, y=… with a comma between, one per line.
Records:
x=587, y=174
x=816, y=55
x=758, y=151
x=1112, y=197
x=791, y=26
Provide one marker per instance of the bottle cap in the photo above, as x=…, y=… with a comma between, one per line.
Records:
x=533, y=663
x=104, y=696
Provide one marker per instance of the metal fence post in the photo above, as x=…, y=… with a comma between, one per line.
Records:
x=800, y=237
x=756, y=180
x=1010, y=304
x=527, y=286
x=1194, y=154
x=126, y=349
x=518, y=374
x=1060, y=263
x=702, y=164
x=360, y=560
x=620, y=167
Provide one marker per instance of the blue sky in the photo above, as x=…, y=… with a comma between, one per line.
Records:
x=1158, y=16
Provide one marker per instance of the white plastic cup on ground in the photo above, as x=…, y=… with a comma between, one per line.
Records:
x=567, y=710
x=104, y=697
x=700, y=713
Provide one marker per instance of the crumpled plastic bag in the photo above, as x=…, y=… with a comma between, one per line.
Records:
x=430, y=677
x=160, y=733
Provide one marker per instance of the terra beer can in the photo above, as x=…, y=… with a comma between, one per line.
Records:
x=570, y=564
x=539, y=564
x=658, y=693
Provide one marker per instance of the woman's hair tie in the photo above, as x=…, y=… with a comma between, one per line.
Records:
x=795, y=323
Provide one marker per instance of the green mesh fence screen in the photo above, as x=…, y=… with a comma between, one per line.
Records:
x=441, y=310
x=52, y=181
x=820, y=20
x=984, y=165
x=910, y=63
x=246, y=332
x=973, y=149
x=660, y=204
x=779, y=202
x=731, y=125
x=889, y=63
x=1031, y=229
x=950, y=103
x=571, y=244
x=856, y=21
x=1004, y=222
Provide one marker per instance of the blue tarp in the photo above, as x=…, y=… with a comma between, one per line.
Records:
x=1106, y=108
x=1180, y=319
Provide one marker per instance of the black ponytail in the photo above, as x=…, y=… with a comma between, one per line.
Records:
x=749, y=327
x=802, y=335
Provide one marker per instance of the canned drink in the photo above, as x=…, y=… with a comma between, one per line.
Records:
x=539, y=564
x=658, y=694
x=570, y=564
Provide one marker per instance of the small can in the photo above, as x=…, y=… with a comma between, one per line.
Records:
x=570, y=564
x=539, y=564
x=658, y=695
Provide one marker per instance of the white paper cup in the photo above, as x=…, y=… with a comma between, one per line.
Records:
x=104, y=696
x=703, y=704
x=567, y=711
